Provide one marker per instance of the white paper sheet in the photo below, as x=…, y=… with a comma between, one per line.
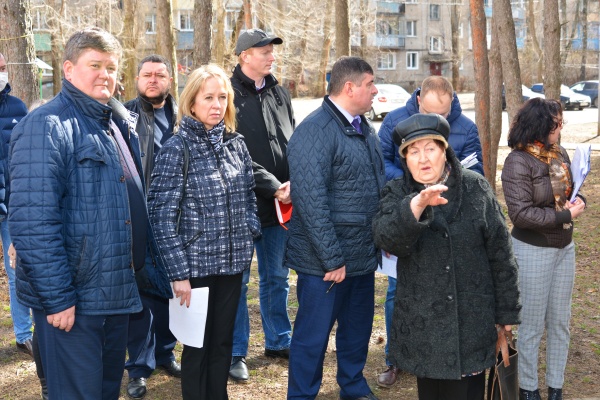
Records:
x=388, y=266
x=580, y=166
x=188, y=324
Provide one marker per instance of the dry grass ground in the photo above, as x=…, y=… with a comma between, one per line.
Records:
x=269, y=378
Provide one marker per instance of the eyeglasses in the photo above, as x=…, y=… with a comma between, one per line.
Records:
x=562, y=122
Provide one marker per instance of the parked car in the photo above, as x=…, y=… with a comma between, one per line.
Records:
x=526, y=92
x=568, y=98
x=588, y=88
x=388, y=98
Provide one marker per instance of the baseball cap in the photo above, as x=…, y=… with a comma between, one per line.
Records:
x=254, y=38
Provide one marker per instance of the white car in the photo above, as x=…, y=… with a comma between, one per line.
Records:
x=388, y=98
x=582, y=99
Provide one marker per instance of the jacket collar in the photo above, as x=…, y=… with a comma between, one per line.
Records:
x=348, y=128
x=87, y=106
x=270, y=80
x=148, y=107
x=4, y=93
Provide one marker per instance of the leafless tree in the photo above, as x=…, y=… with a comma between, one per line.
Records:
x=202, y=32
x=133, y=23
x=342, y=28
x=552, y=65
x=495, y=61
x=454, y=18
x=531, y=27
x=16, y=44
x=165, y=39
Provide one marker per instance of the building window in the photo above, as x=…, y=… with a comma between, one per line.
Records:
x=386, y=61
x=411, y=28
x=387, y=25
x=411, y=1
x=412, y=60
x=185, y=20
x=39, y=20
x=151, y=23
x=435, y=44
x=434, y=12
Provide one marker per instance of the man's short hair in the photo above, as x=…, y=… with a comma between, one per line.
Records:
x=91, y=39
x=437, y=84
x=155, y=58
x=347, y=69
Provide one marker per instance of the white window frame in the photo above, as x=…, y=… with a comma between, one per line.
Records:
x=151, y=20
x=434, y=16
x=435, y=44
x=412, y=1
x=411, y=28
x=389, y=59
x=189, y=20
x=412, y=60
x=39, y=22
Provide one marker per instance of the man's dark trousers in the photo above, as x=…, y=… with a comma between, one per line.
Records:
x=351, y=303
x=87, y=361
x=150, y=342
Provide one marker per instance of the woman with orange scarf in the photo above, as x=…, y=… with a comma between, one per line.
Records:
x=537, y=185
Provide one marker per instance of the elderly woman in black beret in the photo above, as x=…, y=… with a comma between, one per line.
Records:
x=457, y=276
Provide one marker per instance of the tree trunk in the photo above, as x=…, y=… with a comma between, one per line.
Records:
x=325, y=49
x=18, y=48
x=454, y=18
x=534, y=40
x=248, y=14
x=57, y=37
x=342, y=29
x=584, y=38
x=552, y=66
x=482, y=90
x=166, y=40
x=129, y=40
x=495, y=59
x=507, y=44
x=202, y=32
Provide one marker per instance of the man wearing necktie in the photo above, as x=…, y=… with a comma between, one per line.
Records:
x=336, y=174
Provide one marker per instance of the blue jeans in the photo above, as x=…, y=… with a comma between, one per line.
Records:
x=389, y=314
x=20, y=314
x=273, y=291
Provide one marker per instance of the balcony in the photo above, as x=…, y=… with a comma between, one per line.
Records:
x=385, y=7
x=386, y=42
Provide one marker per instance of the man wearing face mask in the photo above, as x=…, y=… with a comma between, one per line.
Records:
x=12, y=109
x=150, y=343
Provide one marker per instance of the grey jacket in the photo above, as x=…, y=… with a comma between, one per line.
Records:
x=457, y=275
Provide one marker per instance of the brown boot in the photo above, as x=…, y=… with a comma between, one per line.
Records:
x=388, y=377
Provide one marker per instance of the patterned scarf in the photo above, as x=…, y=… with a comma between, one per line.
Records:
x=444, y=178
x=560, y=176
x=214, y=135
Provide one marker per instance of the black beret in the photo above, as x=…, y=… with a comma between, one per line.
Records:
x=421, y=126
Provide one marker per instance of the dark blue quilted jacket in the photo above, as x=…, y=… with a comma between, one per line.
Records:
x=12, y=110
x=464, y=137
x=69, y=216
x=218, y=220
x=336, y=177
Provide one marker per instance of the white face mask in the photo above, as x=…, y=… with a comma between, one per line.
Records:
x=3, y=80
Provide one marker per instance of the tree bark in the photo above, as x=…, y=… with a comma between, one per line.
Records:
x=129, y=39
x=57, y=37
x=248, y=14
x=584, y=39
x=342, y=29
x=202, y=32
x=534, y=40
x=482, y=90
x=18, y=48
x=321, y=87
x=552, y=66
x=219, y=45
x=166, y=40
x=495, y=61
x=454, y=18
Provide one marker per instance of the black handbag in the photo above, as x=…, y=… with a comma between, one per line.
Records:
x=186, y=165
x=503, y=381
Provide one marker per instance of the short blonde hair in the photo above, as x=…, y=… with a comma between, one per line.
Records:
x=195, y=83
x=437, y=84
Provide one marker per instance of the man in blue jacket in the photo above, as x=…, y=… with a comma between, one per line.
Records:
x=336, y=174
x=79, y=223
x=12, y=109
x=436, y=95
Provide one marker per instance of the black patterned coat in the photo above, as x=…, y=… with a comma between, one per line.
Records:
x=457, y=276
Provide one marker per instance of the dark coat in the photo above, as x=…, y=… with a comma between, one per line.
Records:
x=336, y=176
x=218, y=220
x=12, y=109
x=464, y=137
x=145, y=129
x=457, y=276
x=69, y=214
x=266, y=121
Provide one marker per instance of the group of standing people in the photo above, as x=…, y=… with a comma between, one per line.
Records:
x=117, y=208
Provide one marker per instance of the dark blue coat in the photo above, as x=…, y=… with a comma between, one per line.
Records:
x=69, y=215
x=464, y=137
x=336, y=175
x=12, y=109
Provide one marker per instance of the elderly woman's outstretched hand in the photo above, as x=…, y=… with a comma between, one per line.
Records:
x=431, y=196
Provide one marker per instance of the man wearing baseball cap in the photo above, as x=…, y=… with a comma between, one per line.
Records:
x=266, y=120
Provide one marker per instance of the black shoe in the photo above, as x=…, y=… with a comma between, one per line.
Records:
x=173, y=368
x=136, y=388
x=238, y=371
x=44, y=388
x=369, y=396
x=554, y=394
x=26, y=347
x=529, y=394
x=283, y=353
